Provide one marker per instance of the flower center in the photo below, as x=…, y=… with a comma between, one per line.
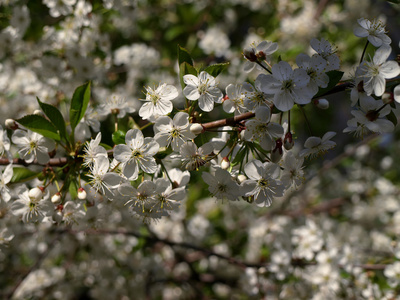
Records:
x=263, y=183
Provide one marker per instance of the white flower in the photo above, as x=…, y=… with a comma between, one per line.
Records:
x=33, y=145
x=158, y=101
x=235, y=101
x=202, y=88
x=292, y=174
x=308, y=240
x=375, y=31
x=178, y=177
x=316, y=146
x=262, y=183
x=167, y=198
x=324, y=49
x=208, y=44
x=192, y=157
x=375, y=72
x=116, y=105
x=5, y=177
x=101, y=179
x=258, y=53
x=315, y=67
x=287, y=85
x=392, y=272
x=4, y=141
x=72, y=212
x=396, y=94
x=372, y=115
x=6, y=235
x=137, y=153
x=92, y=150
x=262, y=129
x=221, y=185
x=141, y=200
x=254, y=96
x=91, y=119
x=173, y=132
x=30, y=209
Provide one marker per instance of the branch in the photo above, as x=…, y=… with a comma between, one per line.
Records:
x=229, y=121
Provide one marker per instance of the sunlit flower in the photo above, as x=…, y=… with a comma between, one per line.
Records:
x=221, y=185
x=287, y=85
x=137, y=154
x=33, y=145
x=173, y=132
x=263, y=183
x=202, y=88
x=5, y=178
x=30, y=209
x=158, y=101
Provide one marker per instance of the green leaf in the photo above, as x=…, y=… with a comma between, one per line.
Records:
x=334, y=78
x=79, y=104
x=184, y=56
x=40, y=125
x=73, y=189
x=55, y=117
x=185, y=69
x=215, y=70
x=23, y=174
x=174, y=32
x=118, y=137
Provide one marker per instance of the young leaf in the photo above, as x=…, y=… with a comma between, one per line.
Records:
x=23, y=174
x=73, y=189
x=40, y=125
x=118, y=137
x=54, y=116
x=215, y=70
x=79, y=104
x=184, y=56
x=334, y=78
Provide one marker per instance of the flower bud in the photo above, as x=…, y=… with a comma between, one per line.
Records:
x=58, y=216
x=56, y=199
x=322, y=103
x=277, y=153
x=241, y=178
x=36, y=193
x=288, y=142
x=10, y=123
x=38, y=112
x=81, y=193
x=196, y=128
x=250, y=54
x=225, y=164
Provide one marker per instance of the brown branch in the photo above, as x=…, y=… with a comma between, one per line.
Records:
x=229, y=121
